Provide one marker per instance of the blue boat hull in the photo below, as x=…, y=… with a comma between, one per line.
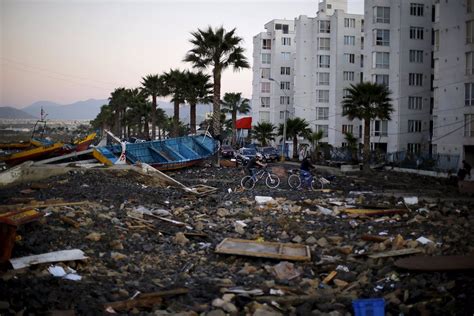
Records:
x=169, y=154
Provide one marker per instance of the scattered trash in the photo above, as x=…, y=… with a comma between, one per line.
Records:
x=324, y=210
x=423, y=240
x=285, y=271
x=329, y=277
x=372, y=306
x=412, y=200
x=56, y=256
x=59, y=271
x=394, y=253
x=263, y=199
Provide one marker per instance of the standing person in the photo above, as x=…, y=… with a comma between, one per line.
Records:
x=467, y=167
x=255, y=162
x=305, y=171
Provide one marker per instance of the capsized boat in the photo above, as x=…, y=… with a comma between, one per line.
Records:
x=168, y=154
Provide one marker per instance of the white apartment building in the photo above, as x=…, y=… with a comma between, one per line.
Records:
x=453, y=112
x=398, y=52
x=273, y=52
x=327, y=60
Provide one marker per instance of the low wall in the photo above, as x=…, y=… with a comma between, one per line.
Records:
x=419, y=172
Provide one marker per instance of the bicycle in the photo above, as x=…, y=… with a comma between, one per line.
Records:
x=295, y=181
x=272, y=180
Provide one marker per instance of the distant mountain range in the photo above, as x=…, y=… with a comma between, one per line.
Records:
x=7, y=112
x=86, y=110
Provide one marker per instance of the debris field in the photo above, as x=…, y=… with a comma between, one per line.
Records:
x=151, y=247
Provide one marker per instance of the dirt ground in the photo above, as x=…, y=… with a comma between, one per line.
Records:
x=130, y=252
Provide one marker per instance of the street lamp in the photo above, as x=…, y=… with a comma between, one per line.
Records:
x=284, y=121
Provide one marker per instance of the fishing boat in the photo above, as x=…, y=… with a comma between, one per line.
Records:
x=168, y=154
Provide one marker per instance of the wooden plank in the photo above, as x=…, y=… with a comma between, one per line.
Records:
x=436, y=263
x=59, y=158
x=330, y=277
x=372, y=212
x=394, y=253
x=56, y=256
x=42, y=205
x=373, y=238
x=274, y=250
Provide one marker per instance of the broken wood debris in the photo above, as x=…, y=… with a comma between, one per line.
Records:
x=436, y=263
x=55, y=256
x=394, y=253
x=373, y=212
x=264, y=249
x=145, y=300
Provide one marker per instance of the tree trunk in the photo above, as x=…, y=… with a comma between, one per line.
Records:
x=234, y=129
x=192, y=117
x=146, y=130
x=216, y=109
x=295, y=146
x=366, y=144
x=176, y=119
x=153, y=117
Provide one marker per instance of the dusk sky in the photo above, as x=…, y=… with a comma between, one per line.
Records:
x=66, y=51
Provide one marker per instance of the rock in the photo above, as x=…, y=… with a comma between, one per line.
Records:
x=239, y=227
x=284, y=235
x=340, y=283
x=398, y=242
x=335, y=239
x=228, y=297
x=218, y=302
x=248, y=269
x=94, y=236
x=347, y=250
x=116, y=245
x=230, y=308
x=180, y=239
x=297, y=239
x=223, y=212
x=311, y=240
x=4, y=305
x=322, y=242
x=266, y=310
x=117, y=255
x=216, y=312
x=285, y=271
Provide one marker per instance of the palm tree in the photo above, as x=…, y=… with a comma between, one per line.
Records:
x=118, y=102
x=314, y=138
x=219, y=50
x=138, y=113
x=198, y=90
x=296, y=127
x=367, y=101
x=233, y=103
x=351, y=141
x=152, y=86
x=264, y=132
x=174, y=85
x=105, y=118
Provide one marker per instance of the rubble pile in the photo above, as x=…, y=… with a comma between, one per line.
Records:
x=152, y=248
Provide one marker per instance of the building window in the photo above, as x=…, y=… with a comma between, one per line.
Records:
x=415, y=79
x=381, y=60
x=414, y=148
x=282, y=115
x=416, y=56
x=324, y=27
x=285, y=70
x=436, y=40
x=469, y=125
x=348, y=22
x=415, y=103
x=470, y=63
x=285, y=55
x=324, y=43
x=324, y=61
x=435, y=125
x=414, y=126
x=469, y=5
x=416, y=9
x=322, y=113
x=284, y=100
x=379, y=128
x=349, y=58
x=349, y=40
x=285, y=85
x=286, y=41
x=348, y=75
x=283, y=27
x=470, y=32
x=382, y=37
x=265, y=73
x=265, y=87
x=436, y=69
x=323, y=128
x=266, y=44
x=347, y=129
x=322, y=96
x=381, y=14
x=265, y=102
x=345, y=92
x=361, y=42
x=380, y=79
x=469, y=94
x=323, y=78
x=416, y=32
x=266, y=58
x=264, y=116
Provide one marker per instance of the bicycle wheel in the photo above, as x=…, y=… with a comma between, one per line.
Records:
x=272, y=181
x=294, y=181
x=247, y=183
x=316, y=184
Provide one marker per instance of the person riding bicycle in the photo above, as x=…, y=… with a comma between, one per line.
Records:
x=255, y=162
x=305, y=171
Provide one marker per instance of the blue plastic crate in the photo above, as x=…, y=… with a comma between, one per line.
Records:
x=369, y=307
